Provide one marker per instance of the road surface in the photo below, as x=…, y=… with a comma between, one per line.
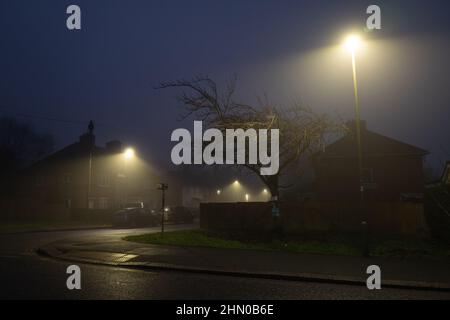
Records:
x=26, y=275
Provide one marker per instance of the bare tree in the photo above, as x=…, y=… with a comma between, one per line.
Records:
x=21, y=144
x=302, y=131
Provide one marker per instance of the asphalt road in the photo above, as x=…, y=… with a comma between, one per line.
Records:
x=26, y=275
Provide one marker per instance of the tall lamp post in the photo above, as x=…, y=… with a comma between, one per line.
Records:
x=353, y=43
x=128, y=154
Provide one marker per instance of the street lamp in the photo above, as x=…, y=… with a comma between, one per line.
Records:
x=352, y=43
x=129, y=153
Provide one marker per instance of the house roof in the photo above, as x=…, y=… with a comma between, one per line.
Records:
x=79, y=149
x=372, y=144
x=70, y=152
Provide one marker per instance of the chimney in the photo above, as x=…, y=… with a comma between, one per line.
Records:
x=88, y=139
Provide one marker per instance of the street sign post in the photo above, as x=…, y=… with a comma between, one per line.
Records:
x=163, y=187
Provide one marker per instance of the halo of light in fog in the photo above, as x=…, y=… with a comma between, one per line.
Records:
x=238, y=191
x=129, y=153
x=352, y=42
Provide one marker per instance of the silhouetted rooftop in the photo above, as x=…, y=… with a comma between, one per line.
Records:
x=80, y=149
x=372, y=144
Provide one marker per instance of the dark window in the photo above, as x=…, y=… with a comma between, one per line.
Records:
x=39, y=180
x=104, y=181
x=103, y=203
x=91, y=203
x=67, y=178
x=367, y=175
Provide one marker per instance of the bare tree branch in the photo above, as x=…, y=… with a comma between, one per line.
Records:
x=302, y=131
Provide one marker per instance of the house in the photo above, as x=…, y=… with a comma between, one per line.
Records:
x=83, y=176
x=437, y=203
x=445, y=178
x=391, y=170
x=188, y=187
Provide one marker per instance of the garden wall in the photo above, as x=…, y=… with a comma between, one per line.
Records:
x=396, y=218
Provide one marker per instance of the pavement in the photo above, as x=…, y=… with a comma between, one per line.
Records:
x=110, y=249
x=24, y=274
x=56, y=229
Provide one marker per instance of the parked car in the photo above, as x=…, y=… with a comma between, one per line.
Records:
x=178, y=215
x=134, y=215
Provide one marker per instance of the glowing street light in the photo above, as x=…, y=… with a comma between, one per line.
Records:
x=218, y=192
x=352, y=43
x=129, y=153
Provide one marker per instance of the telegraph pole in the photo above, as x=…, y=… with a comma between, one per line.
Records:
x=163, y=187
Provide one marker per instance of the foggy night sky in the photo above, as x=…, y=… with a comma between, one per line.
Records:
x=289, y=49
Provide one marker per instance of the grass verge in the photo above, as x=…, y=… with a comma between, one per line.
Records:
x=398, y=248
x=197, y=238
x=411, y=248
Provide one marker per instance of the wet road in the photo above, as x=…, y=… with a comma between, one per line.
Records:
x=24, y=274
